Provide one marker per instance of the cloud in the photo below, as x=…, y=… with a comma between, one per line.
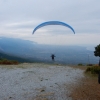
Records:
x=19, y=18
x=67, y=39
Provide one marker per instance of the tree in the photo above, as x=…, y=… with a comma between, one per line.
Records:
x=97, y=52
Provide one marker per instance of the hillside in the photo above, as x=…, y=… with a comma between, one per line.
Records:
x=11, y=57
x=31, y=51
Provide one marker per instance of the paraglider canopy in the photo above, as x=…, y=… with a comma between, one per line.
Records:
x=52, y=23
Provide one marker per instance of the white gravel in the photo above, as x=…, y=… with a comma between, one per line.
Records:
x=37, y=81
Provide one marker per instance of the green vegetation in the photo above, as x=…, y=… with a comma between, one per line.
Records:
x=89, y=64
x=80, y=64
x=15, y=58
x=93, y=69
x=8, y=62
x=97, y=52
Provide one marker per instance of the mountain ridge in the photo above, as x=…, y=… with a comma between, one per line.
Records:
x=41, y=53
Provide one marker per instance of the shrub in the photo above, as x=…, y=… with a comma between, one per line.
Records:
x=15, y=62
x=80, y=64
x=8, y=62
x=88, y=69
x=89, y=64
x=93, y=69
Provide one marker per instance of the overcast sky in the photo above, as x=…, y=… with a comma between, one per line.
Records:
x=18, y=18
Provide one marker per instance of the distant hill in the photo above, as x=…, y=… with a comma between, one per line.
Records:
x=16, y=46
x=11, y=57
x=28, y=51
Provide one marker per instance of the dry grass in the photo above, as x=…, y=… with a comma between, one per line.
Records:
x=87, y=89
x=8, y=62
x=80, y=67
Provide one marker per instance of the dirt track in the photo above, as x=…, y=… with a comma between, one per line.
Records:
x=87, y=89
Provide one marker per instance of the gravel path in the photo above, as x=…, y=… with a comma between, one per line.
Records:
x=37, y=81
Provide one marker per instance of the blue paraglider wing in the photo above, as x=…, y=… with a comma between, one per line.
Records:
x=53, y=23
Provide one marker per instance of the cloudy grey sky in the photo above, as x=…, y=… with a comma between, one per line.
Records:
x=18, y=18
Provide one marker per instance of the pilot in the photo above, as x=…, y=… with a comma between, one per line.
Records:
x=53, y=56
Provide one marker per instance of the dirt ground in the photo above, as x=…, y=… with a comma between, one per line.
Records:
x=87, y=89
x=47, y=82
x=37, y=81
